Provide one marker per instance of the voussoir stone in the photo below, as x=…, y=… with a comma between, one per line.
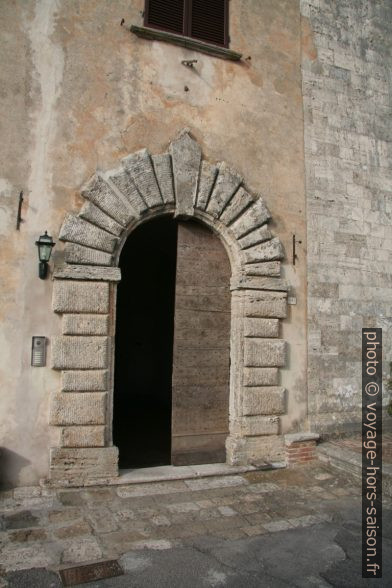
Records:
x=77, y=230
x=83, y=408
x=83, y=436
x=96, y=216
x=267, y=251
x=79, y=254
x=72, y=296
x=100, y=194
x=84, y=380
x=264, y=400
x=186, y=157
x=264, y=352
x=164, y=175
x=245, y=282
x=139, y=166
x=121, y=179
x=265, y=268
x=253, y=217
x=79, y=352
x=85, y=324
x=208, y=173
x=259, y=235
x=237, y=205
x=227, y=183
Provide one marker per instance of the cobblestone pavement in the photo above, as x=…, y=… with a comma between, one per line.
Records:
x=47, y=528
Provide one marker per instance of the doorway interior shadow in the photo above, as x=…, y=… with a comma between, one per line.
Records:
x=144, y=345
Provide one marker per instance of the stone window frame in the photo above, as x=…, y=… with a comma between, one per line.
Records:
x=183, y=184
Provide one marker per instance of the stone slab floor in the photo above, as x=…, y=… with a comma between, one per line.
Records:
x=298, y=527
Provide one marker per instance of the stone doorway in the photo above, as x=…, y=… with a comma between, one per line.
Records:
x=172, y=347
x=182, y=184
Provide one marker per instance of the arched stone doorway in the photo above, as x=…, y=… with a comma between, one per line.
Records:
x=172, y=359
x=182, y=184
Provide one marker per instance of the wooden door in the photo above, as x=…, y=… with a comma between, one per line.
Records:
x=201, y=348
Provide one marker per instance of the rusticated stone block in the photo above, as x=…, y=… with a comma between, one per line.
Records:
x=77, y=230
x=73, y=296
x=125, y=184
x=79, y=352
x=85, y=324
x=139, y=167
x=82, y=408
x=267, y=251
x=263, y=400
x=259, y=235
x=164, y=174
x=74, y=253
x=255, y=450
x=264, y=352
x=266, y=268
x=88, y=272
x=227, y=182
x=84, y=380
x=100, y=193
x=80, y=436
x=254, y=376
x=96, y=216
x=244, y=282
x=261, y=327
x=208, y=173
x=252, y=426
x=266, y=304
x=237, y=205
x=73, y=466
x=252, y=218
x=186, y=157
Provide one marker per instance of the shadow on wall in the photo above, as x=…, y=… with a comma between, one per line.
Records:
x=10, y=465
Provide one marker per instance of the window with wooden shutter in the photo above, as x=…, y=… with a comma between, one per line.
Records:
x=206, y=20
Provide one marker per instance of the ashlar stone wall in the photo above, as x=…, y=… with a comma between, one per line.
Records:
x=180, y=183
x=347, y=53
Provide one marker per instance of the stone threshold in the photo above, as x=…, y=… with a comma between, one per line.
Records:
x=166, y=474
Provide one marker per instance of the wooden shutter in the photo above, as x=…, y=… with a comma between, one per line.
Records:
x=209, y=21
x=167, y=15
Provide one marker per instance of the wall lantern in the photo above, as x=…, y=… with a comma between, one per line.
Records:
x=44, y=244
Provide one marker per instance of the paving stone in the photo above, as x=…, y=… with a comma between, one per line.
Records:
x=226, y=511
x=74, y=530
x=81, y=550
x=14, y=557
x=183, y=507
x=102, y=520
x=274, y=526
x=62, y=516
x=150, y=489
x=224, y=481
x=161, y=521
x=21, y=520
x=27, y=535
x=254, y=530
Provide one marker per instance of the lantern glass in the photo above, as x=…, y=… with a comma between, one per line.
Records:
x=45, y=244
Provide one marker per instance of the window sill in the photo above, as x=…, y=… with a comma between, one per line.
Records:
x=194, y=44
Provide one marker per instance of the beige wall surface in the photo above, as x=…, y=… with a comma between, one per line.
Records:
x=78, y=93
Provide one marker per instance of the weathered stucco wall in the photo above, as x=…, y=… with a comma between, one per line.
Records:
x=348, y=133
x=79, y=92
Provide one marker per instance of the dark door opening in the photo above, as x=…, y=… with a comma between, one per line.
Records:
x=144, y=345
x=172, y=354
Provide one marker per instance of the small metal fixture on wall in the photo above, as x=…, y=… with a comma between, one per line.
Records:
x=45, y=245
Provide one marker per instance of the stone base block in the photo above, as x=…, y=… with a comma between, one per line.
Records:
x=255, y=450
x=76, y=466
x=253, y=426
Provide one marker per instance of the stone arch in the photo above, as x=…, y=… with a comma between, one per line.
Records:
x=181, y=183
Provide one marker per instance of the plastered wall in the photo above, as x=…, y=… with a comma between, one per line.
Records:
x=78, y=93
